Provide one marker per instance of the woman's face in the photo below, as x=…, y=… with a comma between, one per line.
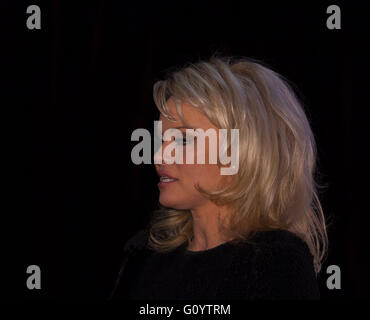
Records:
x=181, y=193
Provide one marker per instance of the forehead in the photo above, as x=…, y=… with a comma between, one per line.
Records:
x=191, y=115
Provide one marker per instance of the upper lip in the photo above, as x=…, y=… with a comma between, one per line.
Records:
x=165, y=174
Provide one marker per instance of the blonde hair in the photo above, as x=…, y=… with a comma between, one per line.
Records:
x=274, y=187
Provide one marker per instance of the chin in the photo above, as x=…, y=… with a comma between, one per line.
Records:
x=170, y=202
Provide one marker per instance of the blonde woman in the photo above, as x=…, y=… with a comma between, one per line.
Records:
x=259, y=233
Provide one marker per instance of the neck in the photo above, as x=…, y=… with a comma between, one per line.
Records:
x=206, y=227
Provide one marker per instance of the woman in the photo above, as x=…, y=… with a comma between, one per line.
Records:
x=257, y=234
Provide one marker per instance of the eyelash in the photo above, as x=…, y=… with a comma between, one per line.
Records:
x=183, y=141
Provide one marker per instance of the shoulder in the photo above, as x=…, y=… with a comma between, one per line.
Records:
x=275, y=235
x=137, y=242
x=280, y=244
x=278, y=240
x=281, y=266
x=285, y=249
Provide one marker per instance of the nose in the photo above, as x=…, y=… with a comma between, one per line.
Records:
x=158, y=158
x=158, y=155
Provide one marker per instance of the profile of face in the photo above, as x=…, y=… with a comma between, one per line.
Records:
x=179, y=191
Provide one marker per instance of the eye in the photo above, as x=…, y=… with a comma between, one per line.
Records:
x=182, y=141
x=178, y=141
x=185, y=141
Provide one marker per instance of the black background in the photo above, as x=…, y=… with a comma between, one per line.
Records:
x=74, y=91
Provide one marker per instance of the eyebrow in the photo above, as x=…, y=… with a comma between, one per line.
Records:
x=183, y=127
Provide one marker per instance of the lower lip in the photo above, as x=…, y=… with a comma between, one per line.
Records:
x=162, y=184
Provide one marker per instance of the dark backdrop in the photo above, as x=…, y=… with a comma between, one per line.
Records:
x=74, y=91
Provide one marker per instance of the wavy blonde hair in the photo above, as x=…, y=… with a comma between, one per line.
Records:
x=274, y=187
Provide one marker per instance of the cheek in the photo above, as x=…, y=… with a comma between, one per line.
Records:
x=207, y=175
x=207, y=153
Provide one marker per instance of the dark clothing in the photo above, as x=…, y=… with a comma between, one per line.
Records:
x=271, y=265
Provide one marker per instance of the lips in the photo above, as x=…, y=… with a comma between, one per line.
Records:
x=165, y=178
x=165, y=175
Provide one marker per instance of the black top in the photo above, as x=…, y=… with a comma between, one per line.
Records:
x=275, y=265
